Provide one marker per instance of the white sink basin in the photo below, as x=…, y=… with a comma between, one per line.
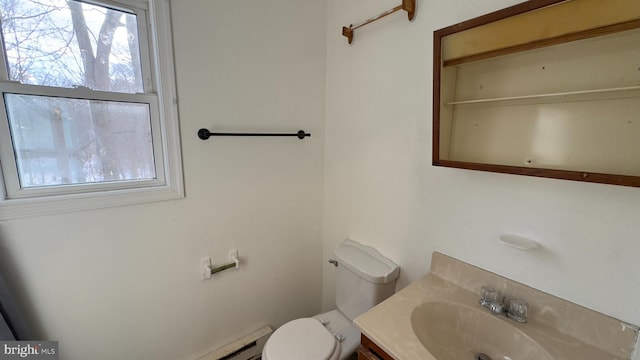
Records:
x=451, y=331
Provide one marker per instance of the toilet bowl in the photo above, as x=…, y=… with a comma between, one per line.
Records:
x=328, y=336
x=304, y=338
x=363, y=279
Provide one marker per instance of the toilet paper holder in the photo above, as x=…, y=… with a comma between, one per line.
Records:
x=208, y=270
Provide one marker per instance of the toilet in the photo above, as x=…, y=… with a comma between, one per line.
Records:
x=364, y=278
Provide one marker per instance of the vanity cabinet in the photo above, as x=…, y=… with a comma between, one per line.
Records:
x=547, y=88
x=370, y=351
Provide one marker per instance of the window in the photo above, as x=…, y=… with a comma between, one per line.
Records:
x=89, y=114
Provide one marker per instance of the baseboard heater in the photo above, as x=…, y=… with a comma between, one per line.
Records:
x=248, y=347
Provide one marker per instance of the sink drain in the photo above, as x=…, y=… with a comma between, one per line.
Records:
x=481, y=356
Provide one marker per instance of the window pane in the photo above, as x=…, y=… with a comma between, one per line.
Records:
x=60, y=141
x=69, y=43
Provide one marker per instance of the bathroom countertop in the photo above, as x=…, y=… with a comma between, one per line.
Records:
x=389, y=323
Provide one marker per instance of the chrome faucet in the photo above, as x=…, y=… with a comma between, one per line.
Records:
x=517, y=310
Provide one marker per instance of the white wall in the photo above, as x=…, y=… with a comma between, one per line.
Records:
x=381, y=189
x=124, y=283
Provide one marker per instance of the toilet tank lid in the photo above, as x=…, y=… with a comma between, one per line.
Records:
x=366, y=261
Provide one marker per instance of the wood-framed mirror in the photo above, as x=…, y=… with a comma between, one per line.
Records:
x=547, y=88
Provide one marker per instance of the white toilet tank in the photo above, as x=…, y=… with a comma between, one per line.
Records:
x=364, y=278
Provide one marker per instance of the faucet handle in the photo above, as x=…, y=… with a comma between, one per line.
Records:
x=518, y=310
x=489, y=296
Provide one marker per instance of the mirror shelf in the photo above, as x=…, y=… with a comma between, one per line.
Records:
x=579, y=95
x=567, y=110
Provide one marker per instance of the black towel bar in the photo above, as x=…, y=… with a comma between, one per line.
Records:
x=204, y=134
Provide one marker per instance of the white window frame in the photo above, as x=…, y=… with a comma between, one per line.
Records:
x=159, y=92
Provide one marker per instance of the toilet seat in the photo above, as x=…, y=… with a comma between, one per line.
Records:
x=304, y=338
